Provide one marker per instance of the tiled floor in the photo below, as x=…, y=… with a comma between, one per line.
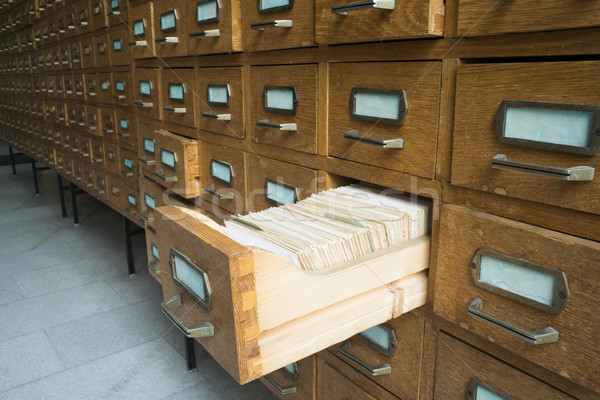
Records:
x=73, y=324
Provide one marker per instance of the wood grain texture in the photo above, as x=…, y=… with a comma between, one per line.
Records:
x=475, y=139
x=448, y=98
x=186, y=165
x=143, y=11
x=181, y=31
x=97, y=156
x=304, y=79
x=229, y=25
x=463, y=231
x=185, y=76
x=132, y=210
x=421, y=81
x=409, y=19
x=158, y=193
x=476, y=18
x=305, y=383
x=121, y=57
x=458, y=364
x=109, y=131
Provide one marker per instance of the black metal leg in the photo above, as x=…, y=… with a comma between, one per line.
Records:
x=190, y=354
x=74, y=203
x=12, y=160
x=130, y=264
x=61, y=193
x=35, y=179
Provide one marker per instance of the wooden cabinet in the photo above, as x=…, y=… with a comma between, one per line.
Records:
x=141, y=31
x=146, y=92
x=178, y=97
x=170, y=28
x=214, y=26
x=177, y=163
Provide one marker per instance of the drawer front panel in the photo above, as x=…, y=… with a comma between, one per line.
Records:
x=222, y=102
x=93, y=121
x=103, y=50
x=214, y=26
x=119, y=48
x=100, y=185
x=88, y=52
x=392, y=120
x=278, y=25
x=498, y=275
x=83, y=17
x=117, y=11
x=338, y=387
x=123, y=94
x=112, y=157
x=79, y=87
x=98, y=14
x=296, y=381
x=91, y=86
x=85, y=147
x=98, y=153
x=108, y=124
x=115, y=191
x=536, y=126
x=131, y=201
x=146, y=89
x=177, y=164
x=464, y=371
x=223, y=174
x=148, y=148
x=284, y=106
x=125, y=127
x=153, y=255
x=88, y=177
x=178, y=97
x=151, y=196
x=141, y=31
x=170, y=28
x=129, y=166
x=75, y=49
x=105, y=88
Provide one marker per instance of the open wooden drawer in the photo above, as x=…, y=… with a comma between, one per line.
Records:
x=256, y=312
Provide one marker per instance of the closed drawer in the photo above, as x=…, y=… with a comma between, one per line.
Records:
x=178, y=97
x=75, y=49
x=91, y=86
x=122, y=89
x=503, y=276
x=93, y=121
x=278, y=25
x=88, y=52
x=103, y=46
x=117, y=11
x=74, y=142
x=115, y=191
x=119, y=47
x=60, y=160
x=526, y=130
x=385, y=114
x=126, y=129
x=65, y=56
x=112, y=158
x=222, y=102
x=69, y=87
x=223, y=174
x=79, y=114
x=77, y=171
x=83, y=17
x=147, y=96
x=68, y=163
x=463, y=371
x=177, y=164
x=98, y=153
x=85, y=147
x=170, y=28
x=108, y=124
x=129, y=166
x=71, y=14
x=141, y=28
x=153, y=254
x=65, y=140
x=214, y=26
x=100, y=185
x=231, y=294
x=390, y=354
x=346, y=21
x=105, y=88
x=284, y=106
x=88, y=177
x=59, y=84
x=294, y=381
x=79, y=87
x=147, y=148
x=99, y=19
x=151, y=196
x=131, y=200
x=477, y=18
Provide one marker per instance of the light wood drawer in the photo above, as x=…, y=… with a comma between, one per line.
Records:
x=107, y=116
x=65, y=139
x=390, y=354
x=223, y=177
x=105, y=90
x=465, y=372
x=178, y=97
x=289, y=24
x=88, y=52
x=103, y=46
x=119, y=47
x=147, y=97
x=295, y=381
x=153, y=254
x=90, y=81
x=83, y=17
x=385, y=20
x=112, y=158
x=93, y=120
x=284, y=106
x=122, y=89
x=60, y=161
x=255, y=333
x=170, y=28
x=129, y=166
x=117, y=11
x=75, y=51
x=85, y=147
x=177, y=163
x=65, y=56
x=88, y=177
x=115, y=191
x=477, y=18
x=61, y=113
x=80, y=116
x=69, y=89
x=98, y=153
x=147, y=148
x=131, y=201
x=77, y=170
x=214, y=26
x=222, y=102
x=100, y=185
x=68, y=163
x=74, y=142
x=141, y=28
x=151, y=196
x=500, y=276
x=385, y=114
x=538, y=127
x=99, y=20
x=126, y=129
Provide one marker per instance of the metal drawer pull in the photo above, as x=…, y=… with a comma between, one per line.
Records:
x=208, y=33
x=138, y=43
x=144, y=160
x=92, y=128
x=343, y=9
x=89, y=184
x=218, y=117
x=144, y=215
x=161, y=174
x=96, y=159
x=396, y=143
x=170, y=39
x=541, y=336
x=123, y=135
x=383, y=369
x=282, y=127
x=85, y=154
x=205, y=330
x=143, y=103
x=120, y=97
x=279, y=23
x=100, y=192
x=107, y=130
x=90, y=93
x=287, y=390
x=114, y=13
x=221, y=196
x=83, y=23
x=151, y=265
x=176, y=110
x=580, y=173
x=126, y=173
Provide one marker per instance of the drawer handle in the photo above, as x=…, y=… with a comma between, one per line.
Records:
x=580, y=174
x=99, y=192
x=205, y=330
x=120, y=97
x=123, y=135
x=114, y=13
x=279, y=23
x=169, y=39
x=292, y=127
x=221, y=196
x=208, y=33
x=281, y=390
x=151, y=265
x=92, y=128
x=161, y=174
x=124, y=172
x=85, y=154
x=144, y=104
x=89, y=185
x=218, y=117
x=96, y=159
x=83, y=23
x=396, y=143
x=383, y=369
x=107, y=130
x=146, y=217
x=90, y=93
x=343, y=9
x=541, y=336
x=175, y=110
x=138, y=43
x=144, y=160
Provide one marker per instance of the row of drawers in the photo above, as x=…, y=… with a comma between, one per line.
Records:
x=102, y=50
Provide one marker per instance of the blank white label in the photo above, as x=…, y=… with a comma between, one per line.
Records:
x=155, y=251
x=150, y=201
x=124, y=124
x=189, y=276
x=117, y=45
x=145, y=88
x=221, y=171
x=377, y=105
x=139, y=28
x=207, y=11
x=168, y=21
x=132, y=200
x=218, y=94
x=105, y=85
x=484, y=394
x=114, y=4
x=148, y=145
x=267, y=4
x=128, y=162
x=280, y=194
x=120, y=86
x=281, y=99
x=167, y=157
x=176, y=91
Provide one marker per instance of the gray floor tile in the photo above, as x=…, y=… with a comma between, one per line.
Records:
x=9, y=290
x=37, y=259
x=27, y=358
x=138, y=288
x=224, y=387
